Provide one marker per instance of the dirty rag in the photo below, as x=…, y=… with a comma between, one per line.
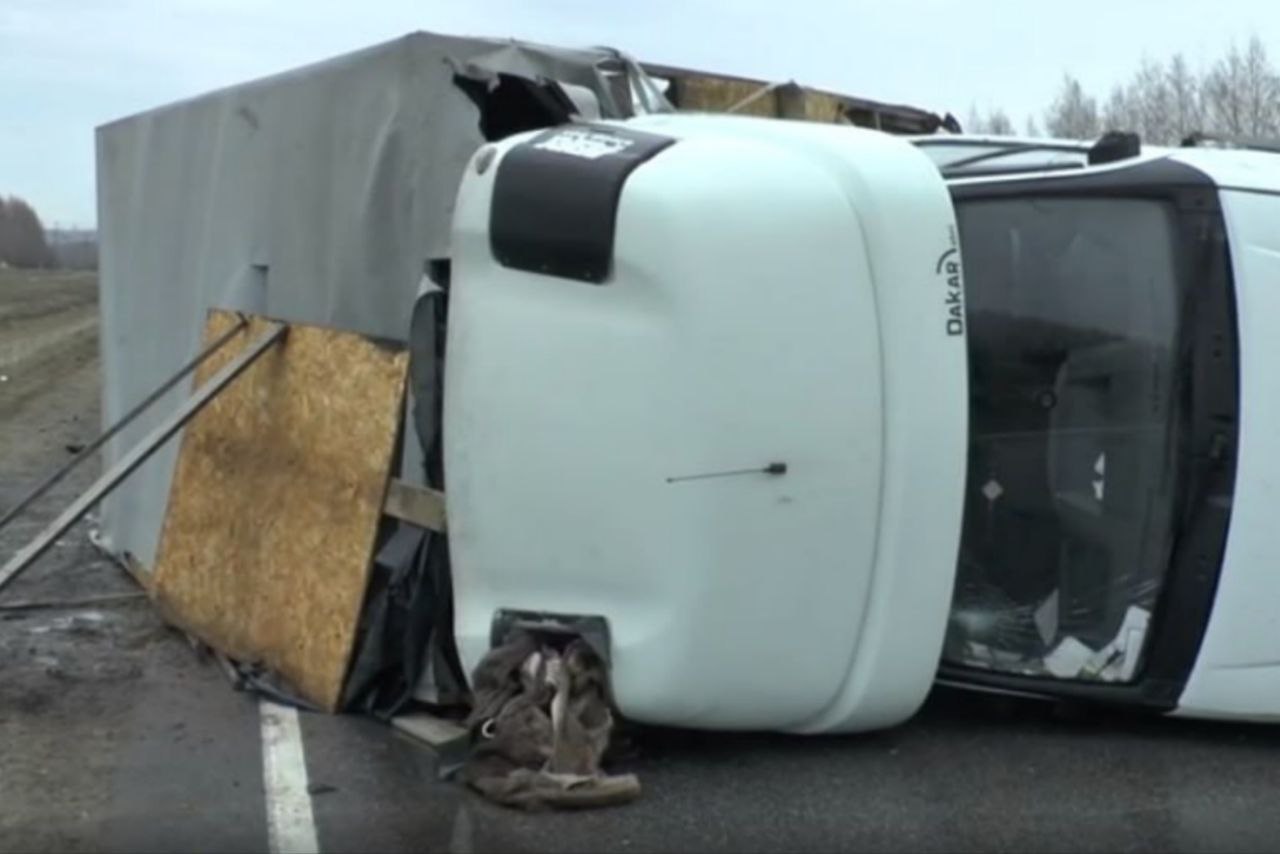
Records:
x=540, y=725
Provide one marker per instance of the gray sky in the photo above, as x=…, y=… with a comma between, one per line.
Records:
x=67, y=66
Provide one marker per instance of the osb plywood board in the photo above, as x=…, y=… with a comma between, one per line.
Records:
x=711, y=94
x=273, y=512
x=820, y=107
x=715, y=95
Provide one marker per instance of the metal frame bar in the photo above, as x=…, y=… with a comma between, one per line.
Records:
x=88, y=450
x=756, y=96
x=1250, y=143
x=1006, y=151
x=980, y=139
x=137, y=456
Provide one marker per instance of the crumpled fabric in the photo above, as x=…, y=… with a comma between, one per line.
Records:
x=541, y=724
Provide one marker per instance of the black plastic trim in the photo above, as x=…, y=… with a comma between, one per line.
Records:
x=1115, y=146
x=997, y=171
x=1211, y=361
x=555, y=199
x=592, y=629
x=1253, y=190
x=1082, y=148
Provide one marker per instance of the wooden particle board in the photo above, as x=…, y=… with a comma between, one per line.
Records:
x=429, y=729
x=699, y=93
x=416, y=504
x=274, y=509
x=706, y=94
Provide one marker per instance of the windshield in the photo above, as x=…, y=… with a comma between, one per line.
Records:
x=1073, y=310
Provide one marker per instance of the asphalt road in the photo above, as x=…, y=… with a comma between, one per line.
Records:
x=115, y=735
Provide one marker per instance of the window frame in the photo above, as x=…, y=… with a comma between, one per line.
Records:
x=1210, y=360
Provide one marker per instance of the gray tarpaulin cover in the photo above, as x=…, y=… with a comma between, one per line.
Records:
x=315, y=196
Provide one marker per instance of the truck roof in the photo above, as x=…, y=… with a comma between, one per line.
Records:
x=1239, y=164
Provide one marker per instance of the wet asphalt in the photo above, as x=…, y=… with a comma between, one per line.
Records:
x=969, y=774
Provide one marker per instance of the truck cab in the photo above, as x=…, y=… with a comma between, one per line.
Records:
x=799, y=418
x=1122, y=436
x=705, y=391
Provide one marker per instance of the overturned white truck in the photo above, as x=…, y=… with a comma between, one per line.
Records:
x=790, y=419
x=719, y=394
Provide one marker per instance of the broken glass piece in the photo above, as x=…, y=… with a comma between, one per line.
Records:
x=1047, y=618
x=1068, y=659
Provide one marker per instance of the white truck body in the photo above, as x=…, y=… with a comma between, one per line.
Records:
x=757, y=442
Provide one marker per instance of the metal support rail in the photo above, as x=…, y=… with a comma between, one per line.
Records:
x=137, y=456
x=88, y=450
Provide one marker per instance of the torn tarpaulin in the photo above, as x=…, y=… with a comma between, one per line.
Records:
x=540, y=726
x=407, y=624
x=619, y=85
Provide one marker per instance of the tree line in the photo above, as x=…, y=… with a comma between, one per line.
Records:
x=23, y=242
x=1164, y=102
x=26, y=244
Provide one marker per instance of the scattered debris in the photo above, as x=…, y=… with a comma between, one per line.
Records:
x=253, y=677
x=1068, y=658
x=229, y=670
x=1115, y=662
x=58, y=604
x=85, y=623
x=540, y=726
x=433, y=731
x=1046, y=617
x=1118, y=660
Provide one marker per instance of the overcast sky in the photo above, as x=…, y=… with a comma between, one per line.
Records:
x=67, y=66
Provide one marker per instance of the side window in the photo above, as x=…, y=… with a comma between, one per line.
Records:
x=1073, y=341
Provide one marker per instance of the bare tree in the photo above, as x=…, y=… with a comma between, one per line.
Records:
x=973, y=120
x=995, y=123
x=22, y=237
x=1241, y=93
x=1186, y=105
x=1152, y=102
x=6, y=234
x=998, y=123
x=1167, y=102
x=1121, y=112
x=1033, y=129
x=1073, y=114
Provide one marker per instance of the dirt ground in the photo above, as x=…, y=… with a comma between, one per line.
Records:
x=49, y=381
x=56, y=657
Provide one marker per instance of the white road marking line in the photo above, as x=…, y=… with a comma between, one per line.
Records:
x=460, y=839
x=291, y=826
